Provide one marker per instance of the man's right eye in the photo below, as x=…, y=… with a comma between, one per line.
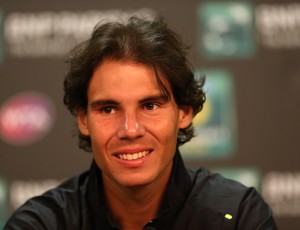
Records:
x=108, y=110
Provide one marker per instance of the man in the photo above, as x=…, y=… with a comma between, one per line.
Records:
x=134, y=95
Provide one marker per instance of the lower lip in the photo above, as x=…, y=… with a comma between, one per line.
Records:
x=134, y=163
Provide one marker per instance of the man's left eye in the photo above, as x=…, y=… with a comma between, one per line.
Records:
x=108, y=110
x=150, y=106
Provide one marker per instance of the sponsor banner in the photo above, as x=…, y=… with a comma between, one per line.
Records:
x=250, y=176
x=226, y=30
x=21, y=191
x=282, y=191
x=3, y=202
x=1, y=38
x=51, y=34
x=215, y=125
x=278, y=25
x=26, y=118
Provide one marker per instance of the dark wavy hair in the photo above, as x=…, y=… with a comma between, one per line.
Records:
x=148, y=42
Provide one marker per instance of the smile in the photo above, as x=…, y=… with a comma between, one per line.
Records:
x=133, y=156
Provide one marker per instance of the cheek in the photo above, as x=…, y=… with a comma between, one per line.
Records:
x=99, y=126
x=100, y=135
x=165, y=129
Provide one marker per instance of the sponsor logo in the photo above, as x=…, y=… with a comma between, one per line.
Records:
x=1, y=38
x=21, y=191
x=278, y=25
x=51, y=34
x=215, y=125
x=3, y=202
x=250, y=177
x=26, y=118
x=282, y=192
x=226, y=30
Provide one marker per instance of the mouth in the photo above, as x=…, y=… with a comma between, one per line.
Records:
x=133, y=156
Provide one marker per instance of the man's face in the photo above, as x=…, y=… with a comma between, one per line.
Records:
x=132, y=126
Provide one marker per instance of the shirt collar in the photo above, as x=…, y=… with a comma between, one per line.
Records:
x=177, y=190
x=176, y=194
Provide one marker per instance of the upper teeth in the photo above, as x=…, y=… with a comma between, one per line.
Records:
x=133, y=156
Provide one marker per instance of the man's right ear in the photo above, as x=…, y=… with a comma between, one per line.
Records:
x=82, y=122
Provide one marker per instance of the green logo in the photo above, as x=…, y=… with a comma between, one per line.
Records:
x=3, y=202
x=250, y=177
x=226, y=30
x=215, y=125
x=1, y=38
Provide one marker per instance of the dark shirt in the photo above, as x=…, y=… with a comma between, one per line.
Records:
x=194, y=200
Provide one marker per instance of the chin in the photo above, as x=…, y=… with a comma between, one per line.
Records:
x=135, y=181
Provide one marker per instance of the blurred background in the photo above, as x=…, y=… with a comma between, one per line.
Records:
x=248, y=130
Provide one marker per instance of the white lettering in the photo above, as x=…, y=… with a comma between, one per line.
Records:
x=45, y=34
x=26, y=116
x=21, y=191
x=282, y=191
x=278, y=25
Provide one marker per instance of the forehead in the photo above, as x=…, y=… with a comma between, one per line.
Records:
x=116, y=75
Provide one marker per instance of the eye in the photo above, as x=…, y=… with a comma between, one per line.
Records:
x=150, y=106
x=108, y=110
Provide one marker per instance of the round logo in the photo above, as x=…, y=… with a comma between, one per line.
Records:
x=26, y=118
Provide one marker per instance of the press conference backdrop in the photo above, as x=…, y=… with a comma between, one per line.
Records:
x=248, y=130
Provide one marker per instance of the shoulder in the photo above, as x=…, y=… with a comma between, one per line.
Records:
x=213, y=184
x=211, y=190
x=54, y=208
x=221, y=201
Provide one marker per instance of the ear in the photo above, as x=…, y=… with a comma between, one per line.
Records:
x=82, y=122
x=185, y=116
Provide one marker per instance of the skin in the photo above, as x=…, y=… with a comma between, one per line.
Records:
x=127, y=116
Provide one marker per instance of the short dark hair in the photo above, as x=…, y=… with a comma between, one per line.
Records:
x=148, y=42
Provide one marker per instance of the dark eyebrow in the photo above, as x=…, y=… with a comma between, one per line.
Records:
x=154, y=98
x=98, y=103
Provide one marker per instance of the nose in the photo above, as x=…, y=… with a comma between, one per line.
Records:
x=131, y=127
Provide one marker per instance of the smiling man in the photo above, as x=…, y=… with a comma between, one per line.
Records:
x=134, y=95
x=133, y=129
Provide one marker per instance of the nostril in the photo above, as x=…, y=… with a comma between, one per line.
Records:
x=131, y=128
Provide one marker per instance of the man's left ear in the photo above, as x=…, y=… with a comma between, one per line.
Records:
x=185, y=116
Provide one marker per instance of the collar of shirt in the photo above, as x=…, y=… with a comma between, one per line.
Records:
x=177, y=191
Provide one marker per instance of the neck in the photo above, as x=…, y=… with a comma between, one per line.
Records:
x=133, y=207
